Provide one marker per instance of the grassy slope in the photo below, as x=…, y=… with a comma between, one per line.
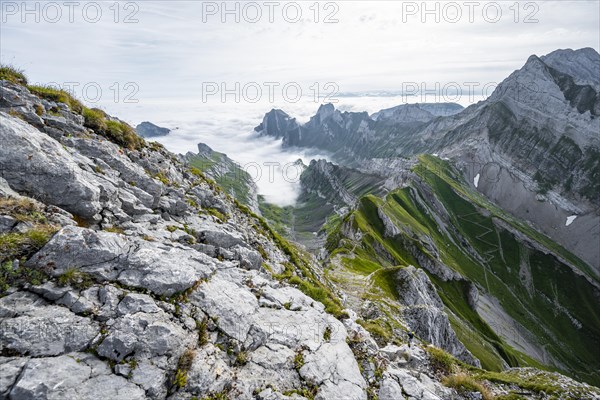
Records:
x=430, y=166
x=557, y=294
x=543, y=308
x=312, y=211
x=235, y=182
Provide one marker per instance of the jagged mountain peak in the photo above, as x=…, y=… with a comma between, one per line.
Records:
x=582, y=64
x=278, y=112
x=325, y=110
x=325, y=113
x=560, y=86
x=204, y=149
x=147, y=129
x=275, y=123
x=575, y=73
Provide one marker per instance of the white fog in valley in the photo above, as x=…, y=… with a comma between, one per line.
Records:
x=228, y=127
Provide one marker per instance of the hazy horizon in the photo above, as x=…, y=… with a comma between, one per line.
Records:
x=214, y=71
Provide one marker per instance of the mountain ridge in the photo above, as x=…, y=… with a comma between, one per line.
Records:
x=536, y=135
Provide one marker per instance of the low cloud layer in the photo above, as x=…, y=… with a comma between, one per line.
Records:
x=229, y=128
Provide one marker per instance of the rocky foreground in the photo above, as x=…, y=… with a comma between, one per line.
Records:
x=128, y=275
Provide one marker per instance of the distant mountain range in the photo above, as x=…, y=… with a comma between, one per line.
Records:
x=502, y=213
x=533, y=147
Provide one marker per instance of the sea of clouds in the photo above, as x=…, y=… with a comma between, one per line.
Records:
x=228, y=127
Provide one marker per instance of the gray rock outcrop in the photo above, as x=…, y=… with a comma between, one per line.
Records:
x=424, y=312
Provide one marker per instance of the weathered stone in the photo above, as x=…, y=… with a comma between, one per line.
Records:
x=6, y=190
x=33, y=163
x=69, y=376
x=223, y=300
x=221, y=238
x=11, y=369
x=424, y=312
x=37, y=329
x=334, y=369
x=139, y=263
x=390, y=390
x=151, y=378
x=153, y=334
x=249, y=259
x=78, y=303
x=209, y=373
x=133, y=303
x=7, y=223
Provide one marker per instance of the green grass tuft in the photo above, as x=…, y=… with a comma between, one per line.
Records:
x=58, y=96
x=95, y=119
x=298, y=360
x=75, y=278
x=12, y=74
x=222, y=218
x=379, y=329
x=15, y=245
x=202, y=327
x=11, y=277
x=464, y=382
x=183, y=367
x=441, y=360
x=116, y=131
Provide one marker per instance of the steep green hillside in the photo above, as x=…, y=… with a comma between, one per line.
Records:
x=327, y=189
x=301, y=221
x=437, y=218
x=226, y=172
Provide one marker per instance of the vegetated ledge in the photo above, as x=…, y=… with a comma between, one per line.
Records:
x=113, y=129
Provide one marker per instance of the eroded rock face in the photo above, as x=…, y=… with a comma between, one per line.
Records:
x=73, y=376
x=254, y=327
x=37, y=328
x=277, y=327
x=120, y=310
x=424, y=312
x=33, y=163
x=131, y=262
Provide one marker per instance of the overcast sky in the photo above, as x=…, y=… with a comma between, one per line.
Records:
x=155, y=60
x=176, y=46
